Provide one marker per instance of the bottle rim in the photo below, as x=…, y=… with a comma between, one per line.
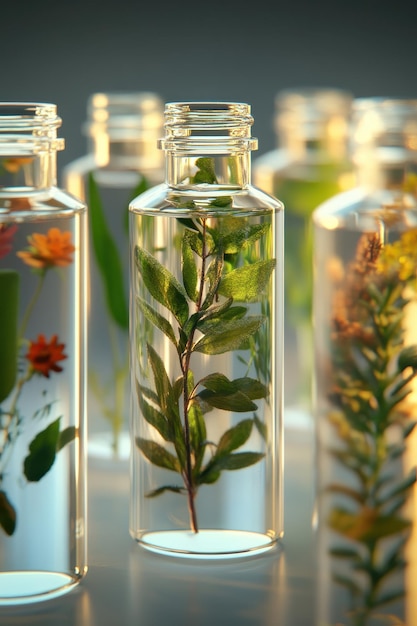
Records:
x=29, y=127
x=207, y=127
x=124, y=115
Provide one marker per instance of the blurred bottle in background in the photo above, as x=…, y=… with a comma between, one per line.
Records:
x=310, y=164
x=122, y=161
x=365, y=336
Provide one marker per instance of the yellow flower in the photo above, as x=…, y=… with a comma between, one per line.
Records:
x=50, y=250
x=400, y=257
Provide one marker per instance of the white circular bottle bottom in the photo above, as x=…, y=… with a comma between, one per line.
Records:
x=25, y=587
x=207, y=544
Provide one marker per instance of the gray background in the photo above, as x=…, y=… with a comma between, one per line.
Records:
x=62, y=51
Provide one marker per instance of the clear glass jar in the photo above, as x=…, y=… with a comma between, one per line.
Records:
x=309, y=165
x=365, y=307
x=42, y=363
x=206, y=344
x=122, y=161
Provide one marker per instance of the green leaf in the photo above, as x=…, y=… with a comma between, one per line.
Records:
x=162, y=285
x=345, y=581
x=206, y=172
x=344, y=553
x=213, y=275
x=236, y=401
x=157, y=455
x=234, y=437
x=363, y=527
x=108, y=258
x=168, y=402
x=156, y=319
x=243, y=237
x=9, y=310
x=251, y=387
x=389, y=596
x=408, y=358
x=66, y=436
x=245, y=283
x=408, y=429
x=402, y=487
x=42, y=452
x=261, y=428
x=221, y=201
x=221, y=312
x=218, y=382
x=162, y=382
x=160, y=490
x=198, y=433
x=185, y=221
x=230, y=336
x=238, y=460
x=344, y=490
x=7, y=514
x=209, y=476
x=153, y=416
x=189, y=268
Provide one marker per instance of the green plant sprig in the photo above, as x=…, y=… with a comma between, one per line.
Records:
x=372, y=380
x=110, y=266
x=208, y=322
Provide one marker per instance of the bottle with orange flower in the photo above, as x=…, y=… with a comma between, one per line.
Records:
x=42, y=363
x=365, y=320
x=122, y=161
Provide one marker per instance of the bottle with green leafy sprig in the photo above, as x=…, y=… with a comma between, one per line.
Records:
x=206, y=344
x=365, y=319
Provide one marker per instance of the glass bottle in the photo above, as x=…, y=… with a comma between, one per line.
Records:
x=309, y=165
x=42, y=363
x=122, y=161
x=206, y=344
x=365, y=312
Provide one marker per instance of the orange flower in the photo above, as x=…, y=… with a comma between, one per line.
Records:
x=50, y=250
x=44, y=356
x=6, y=236
x=13, y=164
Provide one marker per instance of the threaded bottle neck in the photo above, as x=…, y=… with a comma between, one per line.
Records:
x=218, y=131
x=123, y=129
x=28, y=145
x=384, y=142
x=313, y=122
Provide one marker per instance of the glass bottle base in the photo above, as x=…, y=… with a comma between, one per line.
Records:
x=25, y=587
x=207, y=544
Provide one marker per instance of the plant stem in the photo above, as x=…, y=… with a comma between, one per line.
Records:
x=185, y=366
x=31, y=304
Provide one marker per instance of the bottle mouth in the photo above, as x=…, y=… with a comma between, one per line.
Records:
x=207, y=127
x=29, y=128
x=124, y=115
x=385, y=123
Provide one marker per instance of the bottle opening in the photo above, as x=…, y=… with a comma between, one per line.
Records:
x=208, y=127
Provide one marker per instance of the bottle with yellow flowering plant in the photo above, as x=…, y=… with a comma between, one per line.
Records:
x=365, y=317
x=42, y=363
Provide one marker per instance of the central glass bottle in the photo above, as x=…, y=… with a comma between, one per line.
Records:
x=206, y=252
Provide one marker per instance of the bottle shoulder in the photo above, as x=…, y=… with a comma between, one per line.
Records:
x=206, y=198
x=360, y=208
x=39, y=203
